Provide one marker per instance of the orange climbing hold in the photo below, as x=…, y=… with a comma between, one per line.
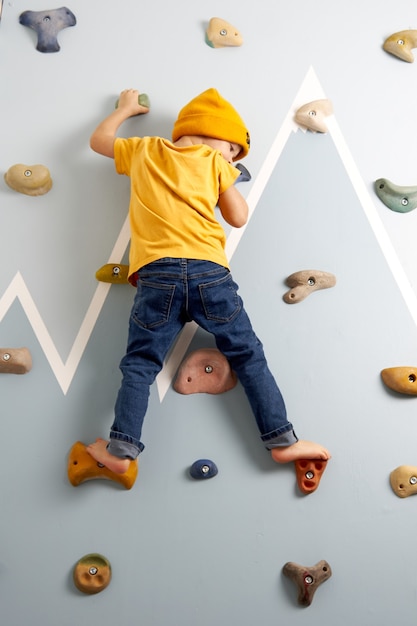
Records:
x=82, y=467
x=401, y=379
x=309, y=473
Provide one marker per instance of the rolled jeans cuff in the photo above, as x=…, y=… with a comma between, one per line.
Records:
x=123, y=449
x=282, y=440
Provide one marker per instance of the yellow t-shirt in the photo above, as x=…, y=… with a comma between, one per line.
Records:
x=174, y=192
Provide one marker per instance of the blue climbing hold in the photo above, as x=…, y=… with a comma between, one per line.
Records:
x=202, y=469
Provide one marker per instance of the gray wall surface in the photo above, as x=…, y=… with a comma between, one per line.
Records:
x=187, y=552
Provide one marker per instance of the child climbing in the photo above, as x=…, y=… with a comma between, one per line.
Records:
x=179, y=267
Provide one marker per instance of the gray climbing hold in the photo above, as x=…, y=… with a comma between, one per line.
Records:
x=47, y=25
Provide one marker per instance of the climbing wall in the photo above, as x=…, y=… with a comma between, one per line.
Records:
x=180, y=550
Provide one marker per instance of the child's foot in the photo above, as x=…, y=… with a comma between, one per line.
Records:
x=98, y=450
x=300, y=450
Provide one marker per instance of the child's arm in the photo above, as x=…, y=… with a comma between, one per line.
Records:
x=233, y=207
x=102, y=139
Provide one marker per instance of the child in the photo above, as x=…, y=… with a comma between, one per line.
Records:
x=178, y=264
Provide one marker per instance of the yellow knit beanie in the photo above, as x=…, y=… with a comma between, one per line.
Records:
x=210, y=115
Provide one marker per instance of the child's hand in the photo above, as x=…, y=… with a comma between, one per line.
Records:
x=129, y=102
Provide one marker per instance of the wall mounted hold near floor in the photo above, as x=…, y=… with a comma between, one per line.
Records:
x=401, y=379
x=403, y=481
x=307, y=579
x=401, y=44
x=395, y=197
x=205, y=371
x=309, y=473
x=82, y=468
x=32, y=180
x=221, y=34
x=313, y=115
x=92, y=573
x=305, y=282
x=47, y=25
x=15, y=361
x=117, y=274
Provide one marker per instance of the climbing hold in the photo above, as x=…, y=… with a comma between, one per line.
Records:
x=396, y=198
x=92, y=573
x=244, y=175
x=82, y=467
x=403, y=481
x=112, y=273
x=202, y=469
x=307, y=579
x=47, y=25
x=400, y=44
x=401, y=379
x=205, y=371
x=221, y=34
x=312, y=115
x=309, y=473
x=15, y=361
x=32, y=180
x=143, y=100
x=305, y=282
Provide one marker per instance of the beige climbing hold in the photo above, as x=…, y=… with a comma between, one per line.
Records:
x=205, y=371
x=401, y=379
x=404, y=481
x=32, y=180
x=114, y=273
x=307, y=579
x=15, y=361
x=82, y=467
x=305, y=282
x=401, y=44
x=309, y=473
x=313, y=115
x=221, y=34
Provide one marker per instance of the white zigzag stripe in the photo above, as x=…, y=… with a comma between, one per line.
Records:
x=64, y=372
x=310, y=90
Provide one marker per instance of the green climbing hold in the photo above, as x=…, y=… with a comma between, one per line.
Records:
x=395, y=197
x=143, y=100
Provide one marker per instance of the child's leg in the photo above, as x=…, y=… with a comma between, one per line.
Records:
x=155, y=321
x=218, y=308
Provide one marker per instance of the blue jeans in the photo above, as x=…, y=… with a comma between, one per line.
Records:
x=171, y=292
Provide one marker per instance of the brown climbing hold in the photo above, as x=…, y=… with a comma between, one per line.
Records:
x=401, y=379
x=82, y=467
x=220, y=34
x=15, y=361
x=92, y=573
x=313, y=114
x=205, y=371
x=114, y=273
x=403, y=481
x=32, y=180
x=309, y=473
x=305, y=282
x=307, y=579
